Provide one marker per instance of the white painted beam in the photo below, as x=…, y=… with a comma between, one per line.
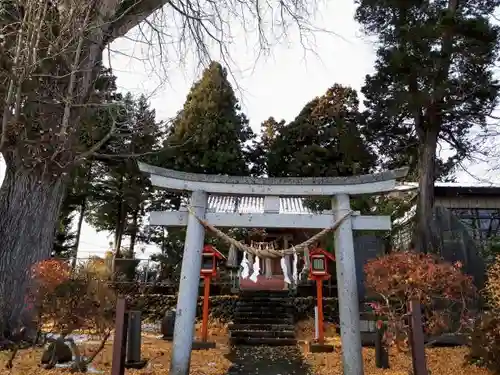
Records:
x=235, y=220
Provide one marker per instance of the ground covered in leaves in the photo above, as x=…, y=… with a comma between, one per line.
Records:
x=256, y=360
x=441, y=361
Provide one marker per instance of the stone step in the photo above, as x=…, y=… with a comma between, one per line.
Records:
x=261, y=327
x=265, y=293
x=259, y=300
x=275, y=320
x=275, y=341
x=277, y=308
x=264, y=334
x=262, y=314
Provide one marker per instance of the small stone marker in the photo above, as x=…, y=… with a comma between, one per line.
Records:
x=134, y=341
x=168, y=325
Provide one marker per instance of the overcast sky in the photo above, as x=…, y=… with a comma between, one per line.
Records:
x=278, y=85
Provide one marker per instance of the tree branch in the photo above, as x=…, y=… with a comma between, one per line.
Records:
x=133, y=16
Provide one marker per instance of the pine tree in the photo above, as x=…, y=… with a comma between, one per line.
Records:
x=433, y=82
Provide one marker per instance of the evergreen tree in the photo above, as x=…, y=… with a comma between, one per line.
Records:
x=119, y=191
x=261, y=149
x=433, y=82
x=323, y=140
x=94, y=128
x=64, y=239
x=210, y=133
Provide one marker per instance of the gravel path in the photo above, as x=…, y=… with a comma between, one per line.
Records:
x=265, y=360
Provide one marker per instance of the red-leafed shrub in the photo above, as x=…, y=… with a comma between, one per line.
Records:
x=442, y=289
x=67, y=302
x=50, y=273
x=484, y=340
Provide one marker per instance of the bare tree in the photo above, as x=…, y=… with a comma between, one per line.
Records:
x=50, y=56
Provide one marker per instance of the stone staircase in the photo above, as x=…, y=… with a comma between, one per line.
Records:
x=263, y=318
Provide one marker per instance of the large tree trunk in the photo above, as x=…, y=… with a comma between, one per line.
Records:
x=29, y=211
x=133, y=232
x=424, y=240
x=120, y=228
x=83, y=209
x=79, y=226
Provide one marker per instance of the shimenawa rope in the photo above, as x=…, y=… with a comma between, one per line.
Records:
x=270, y=252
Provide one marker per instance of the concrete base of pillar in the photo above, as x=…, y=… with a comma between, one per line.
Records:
x=316, y=347
x=136, y=365
x=203, y=345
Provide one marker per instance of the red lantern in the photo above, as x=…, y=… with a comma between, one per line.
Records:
x=209, y=258
x=319, y=261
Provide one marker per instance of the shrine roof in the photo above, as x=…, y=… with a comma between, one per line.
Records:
x=254, y=205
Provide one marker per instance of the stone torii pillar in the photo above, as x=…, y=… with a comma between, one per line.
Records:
x=189, y=287
x=352, y=358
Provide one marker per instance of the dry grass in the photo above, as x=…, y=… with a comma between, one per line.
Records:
x=441, y=361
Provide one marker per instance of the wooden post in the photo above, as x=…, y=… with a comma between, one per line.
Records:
x=417, y=339
x=206, y=297
x=319, y=297
x=381, y=353
x=120, y=339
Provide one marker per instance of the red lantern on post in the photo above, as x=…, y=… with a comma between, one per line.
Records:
x=319, y=261
x=210, y=256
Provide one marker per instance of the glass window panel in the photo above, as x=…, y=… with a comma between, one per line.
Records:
x=487, y=213
x=462, y=212
x=318, y=264
x=207, y=263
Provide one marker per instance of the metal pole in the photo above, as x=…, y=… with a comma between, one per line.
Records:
x=188, y=287
x=316, y=326
x=319, y=297
x=206, y=296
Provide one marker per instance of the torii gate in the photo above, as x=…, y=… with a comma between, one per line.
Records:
x=339, y=188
